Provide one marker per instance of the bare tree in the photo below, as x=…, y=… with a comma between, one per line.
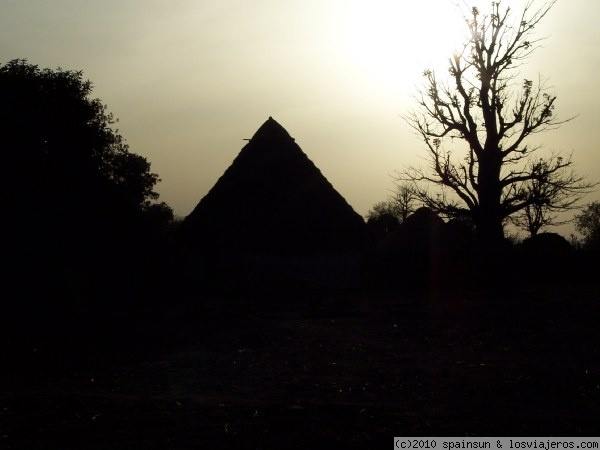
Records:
x=400, y=205
x=533, y=218
x=404, y=198
x=476, y=126
x=385, y=217
x=548, y=199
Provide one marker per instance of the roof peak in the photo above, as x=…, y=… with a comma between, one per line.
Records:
x=271, y=130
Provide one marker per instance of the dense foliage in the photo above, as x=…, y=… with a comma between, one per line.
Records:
x=79, y=202
x=588, y=224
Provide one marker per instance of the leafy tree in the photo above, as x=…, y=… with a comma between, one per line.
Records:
x=588, y=223
x=60, y=140
x=159, y=214
x=76, y=195
x=476, y=126
x=383, y=217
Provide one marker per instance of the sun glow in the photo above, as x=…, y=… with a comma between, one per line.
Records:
x=393, y=41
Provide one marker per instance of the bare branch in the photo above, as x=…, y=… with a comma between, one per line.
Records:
x=483, y=106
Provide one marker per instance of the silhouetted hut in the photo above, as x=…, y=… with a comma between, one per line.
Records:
x=273, y=218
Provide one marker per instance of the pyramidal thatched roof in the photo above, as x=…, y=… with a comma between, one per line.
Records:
x=273, y=199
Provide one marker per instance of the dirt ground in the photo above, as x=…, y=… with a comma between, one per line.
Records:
x=310, y=371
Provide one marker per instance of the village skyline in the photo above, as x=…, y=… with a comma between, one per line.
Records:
x=244, y=300
x=189, y=81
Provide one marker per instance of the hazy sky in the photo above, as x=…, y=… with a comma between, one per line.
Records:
x=190, y=79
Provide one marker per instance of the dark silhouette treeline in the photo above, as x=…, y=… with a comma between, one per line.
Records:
x=426, y=252
x=85, y=235
x=83, y=231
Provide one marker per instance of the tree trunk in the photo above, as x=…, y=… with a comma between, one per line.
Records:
x=488, y=217
x=489, y=229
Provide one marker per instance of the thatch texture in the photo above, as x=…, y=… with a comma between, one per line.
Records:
x=273, y=200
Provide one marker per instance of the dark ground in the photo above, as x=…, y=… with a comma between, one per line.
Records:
x=315, y=370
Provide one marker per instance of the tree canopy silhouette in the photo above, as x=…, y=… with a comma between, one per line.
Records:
x=588, y=224
x=476, y=126
x=59, y=140
x=74, y=191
